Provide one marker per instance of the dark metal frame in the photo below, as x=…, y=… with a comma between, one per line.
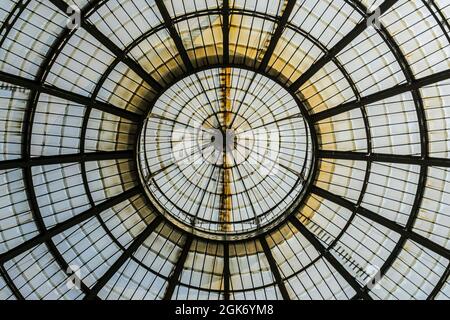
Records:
x=226, y=31
x=277, y=34
x=404, y=232
x=274, y=268
x=387, y=93
x=226, y=271
x=67, y=224
x=38, y=86
x=168, y=22
x=128, y=252
x=384, y=157
x=330, y=258
x=173, y=280
x=344, y=42
x=413, y=85
x=26, y=154
x=66, y=158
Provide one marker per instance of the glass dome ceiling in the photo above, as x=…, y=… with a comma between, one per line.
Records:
x=331, y=180
x=225, y=151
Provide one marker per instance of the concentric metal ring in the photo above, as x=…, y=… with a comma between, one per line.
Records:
x=225, y=153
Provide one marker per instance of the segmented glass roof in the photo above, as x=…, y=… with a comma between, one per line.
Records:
x=225, y=151
x=348, y=100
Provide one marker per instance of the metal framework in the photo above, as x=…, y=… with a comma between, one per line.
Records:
x=226, y=31
x=334, y=262
x=284, y=23
x=274, y=268
x=61, y=227
x=226, y=271
x=382, y=157
x=60, y=93
x=124, y=257
x=174, y=34
x=391, y=92
x=178, y=269
x=66, y=158
x=344, y=42
x=277, y=34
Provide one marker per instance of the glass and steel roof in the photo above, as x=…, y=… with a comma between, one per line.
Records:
x=225, y=151
x=270, y=149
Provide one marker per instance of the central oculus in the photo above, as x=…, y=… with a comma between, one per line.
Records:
x=225, y=153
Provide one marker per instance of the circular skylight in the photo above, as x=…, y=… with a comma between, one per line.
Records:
x=216, y=149
x=225, y=152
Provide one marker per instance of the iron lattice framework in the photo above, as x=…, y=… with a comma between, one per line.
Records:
x=375, y=106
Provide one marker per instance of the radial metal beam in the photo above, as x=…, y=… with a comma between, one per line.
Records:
x=168, y=22
x=65, y=266
x=173, y=280
x=137, y=242
x=11, y=19
x=274, y=268
x=225, y=212
x=439, y=16
x=384, y=94
x=65, y=225
x=226, y=31
x=330, y=257
x=66, y=158
x=408, y=234
x=131, y=63
x=27, y=131
x=64, y=94
x=226, y=271
x=442, y=281
x=423, y=130
x=92, y=103
x=277, y=34
x=384, y=157
x=344, y=42
x=111, y=46
x=99, y=105
x=11, y=285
